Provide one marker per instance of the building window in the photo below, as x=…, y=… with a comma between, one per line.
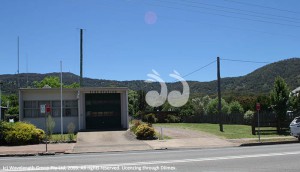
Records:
x=70, y=108
x=32, y=108
x=55, y=108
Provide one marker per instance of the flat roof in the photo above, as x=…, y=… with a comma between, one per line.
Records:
x=296, y=90
x=76, y=89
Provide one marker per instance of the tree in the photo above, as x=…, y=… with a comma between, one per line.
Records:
x=133, y=102
x=14, y=110
x=236, y=108
x=53, y=82
x=279, y=97
x=212, y=107
x=73, y=85
x=200, y=104
x=12, y=100
x=294, y=103
x=246, y=101
x=142, y=100
x=264, y=101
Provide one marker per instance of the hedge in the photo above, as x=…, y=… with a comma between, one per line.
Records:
x=20, y=133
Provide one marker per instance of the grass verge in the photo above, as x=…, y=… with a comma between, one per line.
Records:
x=230, y=131
x=158, y=135
x=62, y=138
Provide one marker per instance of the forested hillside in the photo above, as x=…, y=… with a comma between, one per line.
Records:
x=259, y=81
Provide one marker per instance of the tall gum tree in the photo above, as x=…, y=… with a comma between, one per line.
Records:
x=279, y=97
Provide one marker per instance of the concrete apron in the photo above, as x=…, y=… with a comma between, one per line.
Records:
x=108, y=141
x=190, y=143
x=184, y=138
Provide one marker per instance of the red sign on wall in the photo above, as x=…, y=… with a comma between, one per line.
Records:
x=48, y=109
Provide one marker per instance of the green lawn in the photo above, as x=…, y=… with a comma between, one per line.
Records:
x=230, y=131
x=64, y=138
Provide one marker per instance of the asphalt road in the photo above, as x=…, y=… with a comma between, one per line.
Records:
x=259, y=158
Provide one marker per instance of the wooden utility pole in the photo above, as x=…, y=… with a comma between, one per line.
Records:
x=18, y=84
x=219, y=96
x=81, y=57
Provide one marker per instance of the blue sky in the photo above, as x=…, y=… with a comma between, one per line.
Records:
x=126, y=39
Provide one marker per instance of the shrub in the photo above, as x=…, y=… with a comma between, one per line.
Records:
x=71, y=129
x=4, y=126
x=236, y=108
x=150, y=118
x=144, y=131
x=248, y=117
x=39, y=136
x=50, y=124
x=135, y=123
x=172, y=119
x=21, y=133
x=212, y=107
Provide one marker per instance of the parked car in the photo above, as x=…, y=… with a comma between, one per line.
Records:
x=295, y=127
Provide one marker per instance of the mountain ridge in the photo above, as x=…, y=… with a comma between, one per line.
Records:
x=260, y=81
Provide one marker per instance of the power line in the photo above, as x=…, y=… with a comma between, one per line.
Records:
x=245, y=61
x=232, y=12
x=228, y=16
x=248, y=11
x=199, y=69
x=229, y=27
x=261, y=6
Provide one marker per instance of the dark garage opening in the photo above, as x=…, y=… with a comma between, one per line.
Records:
x=103, y=111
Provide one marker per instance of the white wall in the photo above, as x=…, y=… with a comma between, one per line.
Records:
x=47, y=94
x=69, y=94
x=40, y=123
x=124, y=110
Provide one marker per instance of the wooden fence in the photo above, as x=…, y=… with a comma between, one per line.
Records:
x=266, y=118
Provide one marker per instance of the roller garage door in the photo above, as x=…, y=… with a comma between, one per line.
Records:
x=103, y=111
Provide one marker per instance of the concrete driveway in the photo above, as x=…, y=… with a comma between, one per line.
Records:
x=184, y=138
x=107, y=141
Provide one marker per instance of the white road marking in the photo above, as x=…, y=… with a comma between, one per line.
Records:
x=169, y=161
x=133, y=153
x=120, y=154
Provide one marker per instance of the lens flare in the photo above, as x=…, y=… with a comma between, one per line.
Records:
x=150, y=17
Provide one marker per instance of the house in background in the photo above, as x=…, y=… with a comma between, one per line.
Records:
x=296, y=91
x=93, y=108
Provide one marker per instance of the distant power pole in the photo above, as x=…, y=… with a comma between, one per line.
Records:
x=26, y=70
x=219, y=95
x=18, y=72
x=81, y=57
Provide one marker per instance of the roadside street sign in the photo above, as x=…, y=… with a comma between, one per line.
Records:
x=43, y=109
x=258, y=106
x=258, y=123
